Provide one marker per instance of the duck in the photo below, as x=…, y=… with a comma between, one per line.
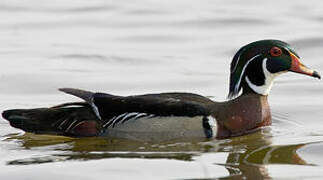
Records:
x=174, y=115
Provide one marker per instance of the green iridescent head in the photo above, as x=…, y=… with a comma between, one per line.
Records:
x=256, y=64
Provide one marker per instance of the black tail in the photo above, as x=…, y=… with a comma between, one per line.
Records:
x=6, y=114
x=61, y=120
x=18, y=118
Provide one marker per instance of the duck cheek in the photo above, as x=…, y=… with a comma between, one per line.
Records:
x=276, y=66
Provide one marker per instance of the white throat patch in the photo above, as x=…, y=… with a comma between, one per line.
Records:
x=269, y=79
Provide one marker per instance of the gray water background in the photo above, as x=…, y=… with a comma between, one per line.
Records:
x=147, y=46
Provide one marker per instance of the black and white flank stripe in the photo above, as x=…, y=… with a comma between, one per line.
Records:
x=122, y=118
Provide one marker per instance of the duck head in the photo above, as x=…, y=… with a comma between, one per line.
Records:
x=255, y=66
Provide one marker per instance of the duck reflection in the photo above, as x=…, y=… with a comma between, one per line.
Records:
x=247, y=155
x=250, y=154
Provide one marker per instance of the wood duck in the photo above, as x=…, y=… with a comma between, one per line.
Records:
x=168, y=116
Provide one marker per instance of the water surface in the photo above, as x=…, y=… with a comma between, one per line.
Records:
x=133, y=47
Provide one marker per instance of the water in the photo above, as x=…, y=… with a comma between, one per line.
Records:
x=135, y=47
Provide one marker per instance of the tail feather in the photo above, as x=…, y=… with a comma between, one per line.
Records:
x=6, y=114
x=22, y=119
x=60, y=120
x=85, y=95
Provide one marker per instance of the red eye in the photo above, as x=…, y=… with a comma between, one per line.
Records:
x=275, y=51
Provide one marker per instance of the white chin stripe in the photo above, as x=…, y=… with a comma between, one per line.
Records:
x=269, y=79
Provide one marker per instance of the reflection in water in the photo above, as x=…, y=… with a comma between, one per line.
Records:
x=254, y=152
x=247, y=155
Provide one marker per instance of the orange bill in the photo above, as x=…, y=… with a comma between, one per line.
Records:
x=298, y=67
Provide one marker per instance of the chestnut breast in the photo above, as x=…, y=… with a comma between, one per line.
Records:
x=242, y=115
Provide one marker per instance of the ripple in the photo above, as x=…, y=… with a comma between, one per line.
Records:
x=36, y=160
x=308, y=43
x=49, y=9
x=222, y=23
x=102, y=58
x=155, y=38
x=312, y=153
